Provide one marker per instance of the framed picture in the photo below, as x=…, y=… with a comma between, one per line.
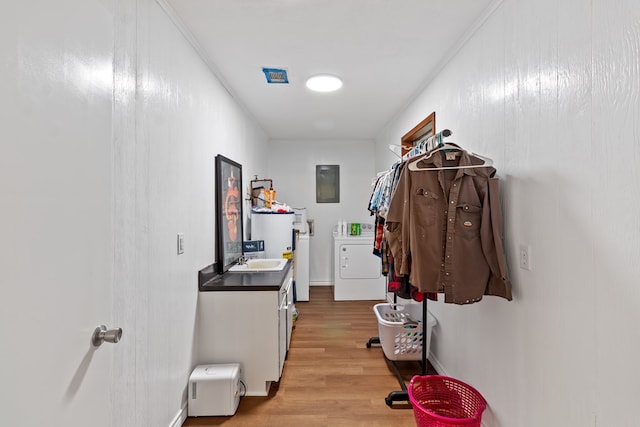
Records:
x=228, y=212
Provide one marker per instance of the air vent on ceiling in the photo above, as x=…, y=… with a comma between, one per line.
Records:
x=275, y=75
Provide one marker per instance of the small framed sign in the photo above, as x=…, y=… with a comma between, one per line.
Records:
x=327, y=183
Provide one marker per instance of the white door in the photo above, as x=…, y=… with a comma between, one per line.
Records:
x=57, y=213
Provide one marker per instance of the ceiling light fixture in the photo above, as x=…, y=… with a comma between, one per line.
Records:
x=324, y=83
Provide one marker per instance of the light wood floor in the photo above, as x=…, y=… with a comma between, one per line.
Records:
x=330, y=376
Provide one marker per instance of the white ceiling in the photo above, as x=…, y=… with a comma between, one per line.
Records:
x=384, y=50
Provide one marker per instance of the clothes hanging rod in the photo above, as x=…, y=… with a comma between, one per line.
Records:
x=437, y=137
x=427, y=144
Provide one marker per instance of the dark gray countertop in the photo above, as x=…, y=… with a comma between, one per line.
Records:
x=250, y=281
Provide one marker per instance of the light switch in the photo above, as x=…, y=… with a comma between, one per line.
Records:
x=180, y=243
x=525, y=257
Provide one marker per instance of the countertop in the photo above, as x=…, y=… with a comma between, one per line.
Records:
x=250, y=281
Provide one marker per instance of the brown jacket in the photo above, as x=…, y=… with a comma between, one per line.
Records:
x=444, y=229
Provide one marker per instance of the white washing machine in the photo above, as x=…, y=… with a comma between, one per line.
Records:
x=357, y=271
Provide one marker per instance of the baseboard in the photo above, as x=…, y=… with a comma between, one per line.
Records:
x=437, y=365
x=180, y=417
x=320, y=283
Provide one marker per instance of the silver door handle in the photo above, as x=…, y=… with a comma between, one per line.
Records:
x=102, y=334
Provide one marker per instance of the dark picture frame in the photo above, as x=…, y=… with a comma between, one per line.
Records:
x=229, y=215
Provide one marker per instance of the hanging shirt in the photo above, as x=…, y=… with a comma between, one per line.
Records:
x=383, y=190
x=444, y=229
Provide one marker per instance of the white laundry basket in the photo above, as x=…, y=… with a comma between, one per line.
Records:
x=402, y=339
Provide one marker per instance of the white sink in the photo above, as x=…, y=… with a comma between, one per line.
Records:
x=269, y=264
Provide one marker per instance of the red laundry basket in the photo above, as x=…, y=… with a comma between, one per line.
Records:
x=440, y=401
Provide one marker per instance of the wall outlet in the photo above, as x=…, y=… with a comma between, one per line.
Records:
x=525, y=257
x=180, y=243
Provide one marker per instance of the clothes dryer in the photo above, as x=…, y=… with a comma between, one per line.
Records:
x=357, y=271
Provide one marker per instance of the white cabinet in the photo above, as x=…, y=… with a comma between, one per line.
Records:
x=250, y=327
x=285, y=320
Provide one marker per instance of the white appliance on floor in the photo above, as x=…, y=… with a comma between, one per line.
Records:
x=301, y=255
x=276, y=229
x=214, y=390
x=357, y=271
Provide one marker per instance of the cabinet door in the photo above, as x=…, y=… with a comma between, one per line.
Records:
x=282, y=333
x=285, y=313
x=289, y=313
x=241, y=327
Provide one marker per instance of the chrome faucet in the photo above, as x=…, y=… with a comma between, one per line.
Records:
x=242, y=260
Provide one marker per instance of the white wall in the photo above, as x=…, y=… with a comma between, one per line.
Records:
x=292, y=166
x=550, y=91
x=114, y=84
x=184, y=118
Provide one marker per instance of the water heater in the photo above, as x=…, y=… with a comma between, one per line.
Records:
x=276, y=229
